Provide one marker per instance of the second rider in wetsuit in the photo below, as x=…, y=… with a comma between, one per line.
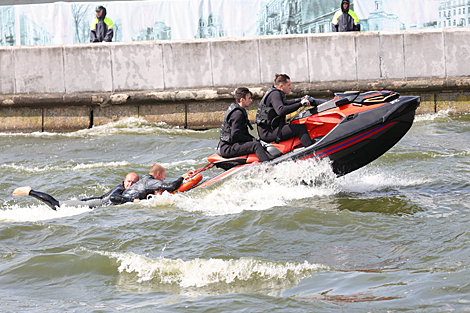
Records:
x=273, y=109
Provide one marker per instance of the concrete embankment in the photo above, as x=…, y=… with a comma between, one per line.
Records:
x=190, y=83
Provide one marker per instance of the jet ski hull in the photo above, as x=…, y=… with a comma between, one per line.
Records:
x=358, y=140
x=349, y=134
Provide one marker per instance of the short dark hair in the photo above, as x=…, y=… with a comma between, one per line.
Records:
x=281, y=78
x=241, y=92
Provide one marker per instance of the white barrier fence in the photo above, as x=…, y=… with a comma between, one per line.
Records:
x=68, y=22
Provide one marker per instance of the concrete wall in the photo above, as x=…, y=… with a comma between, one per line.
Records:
x=189, y=77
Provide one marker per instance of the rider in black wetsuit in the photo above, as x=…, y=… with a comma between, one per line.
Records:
x=272, y=111
x=148, y=184
x=92, y=202
x=235, y=139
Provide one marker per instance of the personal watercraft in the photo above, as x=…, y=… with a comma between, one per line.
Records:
x=352, y=130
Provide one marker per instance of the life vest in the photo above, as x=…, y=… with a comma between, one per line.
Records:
x=226, y=128
x=266, y=115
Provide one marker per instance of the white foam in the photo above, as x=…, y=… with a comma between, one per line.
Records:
x=128, y=125
x=432, y=116
x=77, y=167
x=182, y=163
x=99, y=165
x=262, y=188
x=16, y=213
x=258, y=188
x=202, y=272
x=371, y=179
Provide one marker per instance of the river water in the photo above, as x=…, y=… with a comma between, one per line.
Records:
x=390, y=236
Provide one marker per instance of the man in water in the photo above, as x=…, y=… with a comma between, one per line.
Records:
x=151, y=183
x=92, y=202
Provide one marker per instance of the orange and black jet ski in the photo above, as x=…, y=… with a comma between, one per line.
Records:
x=352, y=130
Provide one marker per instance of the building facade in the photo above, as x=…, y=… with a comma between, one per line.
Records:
x=32, y=33
x=210, y=28
x=381, y=20
x=7, y=26
x=159, y=31
x=454, y=13
x=280, y=17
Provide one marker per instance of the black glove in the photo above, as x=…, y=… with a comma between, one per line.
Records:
x=315, y=102
x=306, y=101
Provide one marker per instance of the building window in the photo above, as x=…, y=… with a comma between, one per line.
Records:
x=454, y=23
x=444, y=24
x=463, y=11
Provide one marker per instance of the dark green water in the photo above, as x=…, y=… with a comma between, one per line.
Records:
x=389, y=237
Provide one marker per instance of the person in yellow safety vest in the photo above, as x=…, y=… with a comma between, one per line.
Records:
x=345, y=20
x=102, y=27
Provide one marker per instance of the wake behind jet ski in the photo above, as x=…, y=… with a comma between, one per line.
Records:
x=352, y=130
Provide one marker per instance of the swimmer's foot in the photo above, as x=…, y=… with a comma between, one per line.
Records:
x=21, y=191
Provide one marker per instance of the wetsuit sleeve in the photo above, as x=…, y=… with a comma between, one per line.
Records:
x=115, y=191
x=316, y=102
x=280, y=108
x=119, y=199
x=44, y=197
x=292, y=101
x=237, y=119
x=170, y=187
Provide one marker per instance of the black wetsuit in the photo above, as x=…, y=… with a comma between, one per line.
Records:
x=235, y=139
x=92, y=202
x=145, y=186
x=277, y=129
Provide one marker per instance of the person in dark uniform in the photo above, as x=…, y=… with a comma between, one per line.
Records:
x=92, y=202
x=151, y=183
x=273, y=109
x=345, y=20
x=235, y=139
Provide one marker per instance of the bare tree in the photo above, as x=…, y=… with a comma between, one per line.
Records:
x=79, y=11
